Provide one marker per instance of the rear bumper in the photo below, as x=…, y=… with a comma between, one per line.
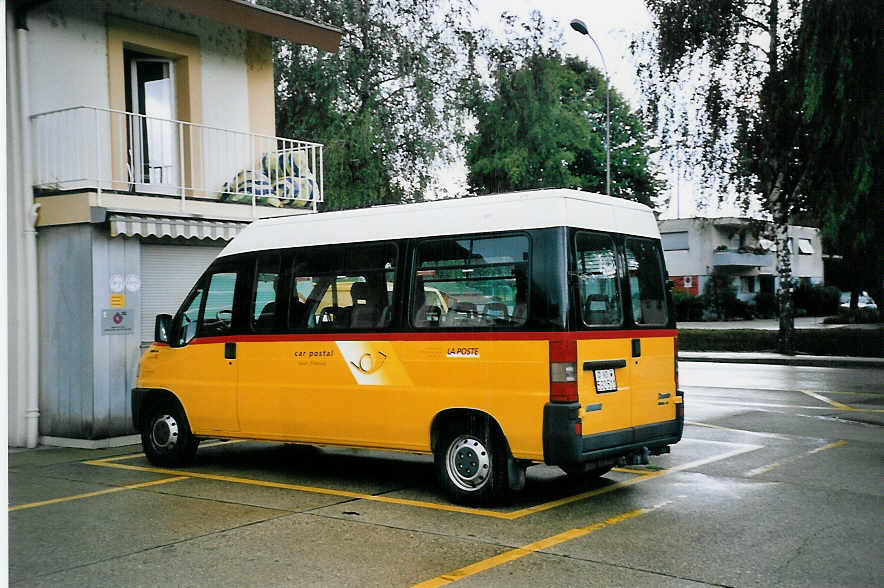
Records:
x=563, y=446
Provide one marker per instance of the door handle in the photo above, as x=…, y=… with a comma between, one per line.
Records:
x=230, y=350
x=605, y=364
x=636, y=348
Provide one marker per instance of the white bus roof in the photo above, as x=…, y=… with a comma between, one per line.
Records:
x=534, y=209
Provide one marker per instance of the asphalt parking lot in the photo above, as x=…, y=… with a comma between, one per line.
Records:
x=778, y=484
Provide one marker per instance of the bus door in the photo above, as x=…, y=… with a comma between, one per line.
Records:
x=265, y=363
x=202, y=366
x=651, y=357
x=603, y=369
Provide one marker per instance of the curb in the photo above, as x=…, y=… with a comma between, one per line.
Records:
x=797, y=360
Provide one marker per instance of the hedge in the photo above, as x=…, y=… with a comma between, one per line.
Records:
x=850, y=342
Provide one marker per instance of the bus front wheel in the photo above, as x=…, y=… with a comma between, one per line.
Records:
x=471, y=465
x=166, y=436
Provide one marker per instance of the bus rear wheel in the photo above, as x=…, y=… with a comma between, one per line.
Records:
x=471, y=465
x=166, y=436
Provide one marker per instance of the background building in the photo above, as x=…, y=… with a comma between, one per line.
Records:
x=742, y=248
x=141, y=139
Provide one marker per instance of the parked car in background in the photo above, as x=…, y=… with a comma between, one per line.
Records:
x=865, y=301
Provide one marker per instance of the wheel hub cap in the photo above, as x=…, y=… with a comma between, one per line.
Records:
x=164, y=433
x=468, y=463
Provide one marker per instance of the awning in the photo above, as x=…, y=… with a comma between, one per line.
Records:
x=805, y=247
x=189, y=228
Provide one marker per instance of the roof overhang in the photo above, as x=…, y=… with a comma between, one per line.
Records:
x=187, y=228
x=245, y=15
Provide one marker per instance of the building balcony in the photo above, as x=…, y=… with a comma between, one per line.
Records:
x=131, y=162
x=734, y=258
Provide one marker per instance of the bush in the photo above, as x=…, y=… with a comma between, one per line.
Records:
x=817, y=300
x=720, y=297
x=765, y=305
x=851, y=342
x=863, y=315
x=687, y=306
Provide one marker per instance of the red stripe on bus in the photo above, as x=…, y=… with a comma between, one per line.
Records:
x=441, y=336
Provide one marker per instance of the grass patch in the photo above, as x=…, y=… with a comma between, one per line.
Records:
x=850, y=342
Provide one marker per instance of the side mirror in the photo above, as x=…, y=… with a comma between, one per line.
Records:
x=162, y=327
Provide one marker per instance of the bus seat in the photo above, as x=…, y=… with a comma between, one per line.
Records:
x=267, y=319
x=428, y=315
x=520, y=313
x=366, y=310
x=597, y=310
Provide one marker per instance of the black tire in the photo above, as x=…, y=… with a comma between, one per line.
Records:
x=166, y=436
x=471, y=463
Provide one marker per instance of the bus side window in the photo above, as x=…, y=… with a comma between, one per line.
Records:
x=343, y=287
x=264, y=293
x=184, y=329
x=471, y=282
x=217, y=314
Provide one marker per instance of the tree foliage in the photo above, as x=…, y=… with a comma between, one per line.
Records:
x=386, y=105
x=541, y=123
x=838, y=62
x=738, y=127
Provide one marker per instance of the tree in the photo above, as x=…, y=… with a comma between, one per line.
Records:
x=386, y=105
x=541, y=123
x=838, y=62
x=743, y=134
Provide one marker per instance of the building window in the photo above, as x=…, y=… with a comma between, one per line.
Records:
x=805, y=247
x=748, y=283
x=675, y=241
x=150, y=95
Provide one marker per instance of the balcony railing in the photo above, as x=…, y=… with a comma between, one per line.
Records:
x=103, y=149
x=736, y=258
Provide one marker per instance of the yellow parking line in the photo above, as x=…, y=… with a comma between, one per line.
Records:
x=776, y=464
x=519, y=552
x=97, y=493
x=743, y=448
x=828, y=401
x=298, y=487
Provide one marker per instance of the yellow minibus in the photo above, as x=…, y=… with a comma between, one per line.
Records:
x=491, y=332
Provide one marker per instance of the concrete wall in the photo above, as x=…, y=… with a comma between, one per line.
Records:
x=68, y=57
x=807, y=266
x=66, y=335
x=85, y=374
x=115, y=359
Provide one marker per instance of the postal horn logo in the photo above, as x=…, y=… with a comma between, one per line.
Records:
x=369, y=363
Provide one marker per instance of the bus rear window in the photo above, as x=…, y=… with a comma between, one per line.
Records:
x=646, y=282
x=597, y=283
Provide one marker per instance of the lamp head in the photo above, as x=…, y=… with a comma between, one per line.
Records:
x=579, y=26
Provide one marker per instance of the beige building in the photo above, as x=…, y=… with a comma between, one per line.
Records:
x=141, y=138
x=742, y=248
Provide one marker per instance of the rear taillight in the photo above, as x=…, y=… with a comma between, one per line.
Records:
x=563, y=371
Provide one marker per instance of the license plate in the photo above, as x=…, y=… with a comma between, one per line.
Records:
x=605, y=381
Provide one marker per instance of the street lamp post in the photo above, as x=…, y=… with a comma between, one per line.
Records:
x=580, y=27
